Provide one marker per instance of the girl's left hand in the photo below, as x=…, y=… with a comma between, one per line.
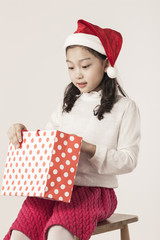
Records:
x=88, y=148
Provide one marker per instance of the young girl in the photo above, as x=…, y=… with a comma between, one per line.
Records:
x=95, y=108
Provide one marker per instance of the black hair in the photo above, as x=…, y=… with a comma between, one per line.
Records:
x=109, y=91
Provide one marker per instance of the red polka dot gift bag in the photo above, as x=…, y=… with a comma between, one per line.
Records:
x=44, y=166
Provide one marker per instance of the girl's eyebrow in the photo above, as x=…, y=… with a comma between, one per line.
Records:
x=79, y=60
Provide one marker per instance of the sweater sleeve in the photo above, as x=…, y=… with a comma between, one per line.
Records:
x=123, y=159
x=55, y=119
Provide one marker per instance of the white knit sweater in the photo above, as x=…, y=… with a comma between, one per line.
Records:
x=116, y=137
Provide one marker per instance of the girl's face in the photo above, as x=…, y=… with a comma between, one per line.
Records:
x=85, y=70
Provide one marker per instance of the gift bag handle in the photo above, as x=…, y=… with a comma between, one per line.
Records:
x=25, y=130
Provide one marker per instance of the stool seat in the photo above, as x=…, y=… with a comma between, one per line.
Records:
x=116, y=221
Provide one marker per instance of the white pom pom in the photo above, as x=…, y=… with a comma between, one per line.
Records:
x=111, y=72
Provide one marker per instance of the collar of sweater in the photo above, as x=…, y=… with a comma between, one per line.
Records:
x=91, y=95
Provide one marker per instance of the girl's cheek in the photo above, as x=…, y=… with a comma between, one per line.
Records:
x=72, y=78
x=70, y=75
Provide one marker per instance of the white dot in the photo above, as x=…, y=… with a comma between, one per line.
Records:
x=65, y=174
x=49, y=176
x=58, y=179
x=50, y=196
x=63, y=155
x=76, y=145
x=63, y=186
x=69, y=181
x=68, y=162
x=72, y=169
x=55, y=171
x=51, y=164
x=57, y=159
x=53, y=151
x=61, y=166
x=66, y=194
x=62, y=135
x=72, y=138
x=56, y=139
x=65, y=143
x=69, y=150
x=52, y=184
x=74, y=157
x=60, y=198
x=56, y=191
x=59, y=147
x=46, y=189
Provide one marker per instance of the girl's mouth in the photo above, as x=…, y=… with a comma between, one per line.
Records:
x=81, y=85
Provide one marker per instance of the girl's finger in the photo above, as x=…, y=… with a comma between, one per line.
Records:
x=19, y=136
x=15, y=141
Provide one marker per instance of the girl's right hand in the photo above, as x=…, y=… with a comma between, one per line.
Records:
x=14, y=134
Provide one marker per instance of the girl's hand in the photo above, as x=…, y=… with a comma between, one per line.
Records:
x=88, y=148
x=14, y=134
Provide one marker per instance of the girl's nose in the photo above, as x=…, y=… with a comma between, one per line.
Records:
x=79, y=74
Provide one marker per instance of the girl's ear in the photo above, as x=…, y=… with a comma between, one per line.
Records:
x=106, y=64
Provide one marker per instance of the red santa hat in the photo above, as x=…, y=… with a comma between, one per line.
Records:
x=104, y=40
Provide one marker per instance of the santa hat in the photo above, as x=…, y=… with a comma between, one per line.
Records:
x=104, y=40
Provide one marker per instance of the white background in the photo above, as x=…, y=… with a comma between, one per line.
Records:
x=33, y=75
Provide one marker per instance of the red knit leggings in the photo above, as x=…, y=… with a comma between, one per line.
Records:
x=88, y=206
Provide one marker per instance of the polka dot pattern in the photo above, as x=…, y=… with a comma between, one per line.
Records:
x=63, y=168
x=45, y=165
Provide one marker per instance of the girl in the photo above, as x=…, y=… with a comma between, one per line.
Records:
x=96, y=108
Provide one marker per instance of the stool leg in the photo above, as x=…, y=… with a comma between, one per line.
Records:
x=125, y=233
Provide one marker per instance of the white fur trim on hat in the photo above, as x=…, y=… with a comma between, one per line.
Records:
x=86, y=40
x=111, y=72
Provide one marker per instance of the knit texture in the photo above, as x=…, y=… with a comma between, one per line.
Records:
x=88, y=206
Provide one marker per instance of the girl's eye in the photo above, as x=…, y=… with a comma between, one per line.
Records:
x=70, y=68
x=85, y=66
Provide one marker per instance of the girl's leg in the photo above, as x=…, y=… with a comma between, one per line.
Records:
x=32, y=219
x=59, y=232
x=17, y=235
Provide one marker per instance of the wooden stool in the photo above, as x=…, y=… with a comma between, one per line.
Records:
x=116, y=221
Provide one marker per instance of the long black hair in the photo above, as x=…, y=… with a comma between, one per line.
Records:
x=108, y=85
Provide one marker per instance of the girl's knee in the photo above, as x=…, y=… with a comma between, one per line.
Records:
x=58, y=232
x=56, y=228
x=17, y=235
